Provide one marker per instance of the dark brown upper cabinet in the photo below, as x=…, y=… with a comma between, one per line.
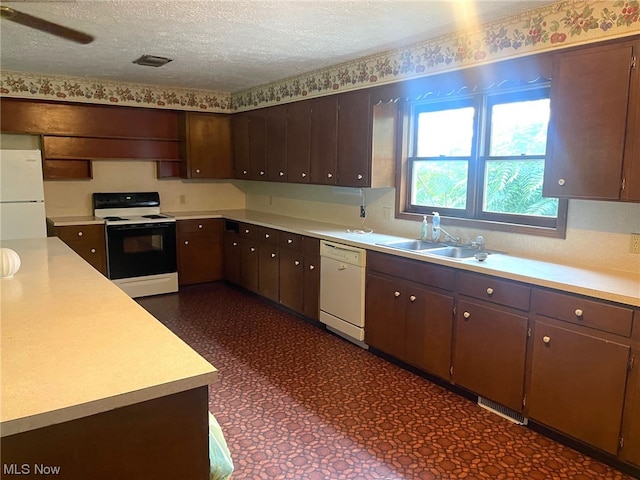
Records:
x=593, y=150
x=324, y=140
x=276, y=143
x=206, y=145
x=354, y=139
x=298, y=142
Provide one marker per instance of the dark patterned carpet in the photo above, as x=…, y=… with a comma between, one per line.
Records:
x=296, y=402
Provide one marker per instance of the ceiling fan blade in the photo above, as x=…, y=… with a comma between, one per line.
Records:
x=44, y=25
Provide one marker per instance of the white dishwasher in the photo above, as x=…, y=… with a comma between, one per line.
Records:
x=342, y=286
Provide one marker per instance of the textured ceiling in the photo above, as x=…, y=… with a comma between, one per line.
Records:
x=229, y=46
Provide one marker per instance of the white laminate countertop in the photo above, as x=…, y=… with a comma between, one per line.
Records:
x=74, y=344
x=612, y=285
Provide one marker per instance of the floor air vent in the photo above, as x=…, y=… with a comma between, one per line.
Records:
x=504, y=412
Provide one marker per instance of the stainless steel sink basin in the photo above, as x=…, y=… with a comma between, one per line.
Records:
x=453, y=252
x=413, y=245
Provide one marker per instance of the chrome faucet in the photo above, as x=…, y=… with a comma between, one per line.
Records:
x=447, y=235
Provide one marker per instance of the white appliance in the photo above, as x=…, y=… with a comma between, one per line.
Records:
x=22, y=213
x=342, y=287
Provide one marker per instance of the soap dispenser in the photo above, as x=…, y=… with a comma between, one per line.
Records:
x=435, y=227
x=424, y=229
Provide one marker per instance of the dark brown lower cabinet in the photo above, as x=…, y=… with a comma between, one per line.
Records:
x=200, y=251
x=249, y=262
x=269, y=271
x=311, y=305
x=578, y=384
x=489, y=352
x=384, y=315
x=292, y=279
x=88, y=241
x=232, y=257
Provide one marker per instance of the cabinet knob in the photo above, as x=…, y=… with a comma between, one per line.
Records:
x=412, y=298
x=304, y=174
x=296, y=263
x=93, y=250
x=253, y=249
x=282, y=174
x=579, y=313
x=329, y=175
x=466, y=315
x=261, y=172
x=235, y=244
x=197, y=170
x=244, y=172
x=200, y=225
x=396, y=294
x=561, y=182
x=546, y=340
x=247, y=231
x=289, y=240
x=80, y=234
x=273, y=255
x=311, y=267
x=489, y=291
x=360, y=177
x=186, y=242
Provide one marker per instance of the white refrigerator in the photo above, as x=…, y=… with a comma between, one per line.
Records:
x=22, y=213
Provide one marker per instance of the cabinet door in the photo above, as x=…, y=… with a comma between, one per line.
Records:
x=240, y=135
x=276, y=148
x=268, y=271
x=429, y=328
x=384, y=324
x=88, y=241
x=578, y=384
x=489, y=353
x=324, y=140
x=292, y=279
x=586, y=139
x=298, y=142
x=232, y=257
x=208, y=145
x=200, y=251
x=257, y=146
x=311, y=307
x=249, y=263
x=354, y=139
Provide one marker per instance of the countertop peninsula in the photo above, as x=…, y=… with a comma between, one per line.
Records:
x=75, y=345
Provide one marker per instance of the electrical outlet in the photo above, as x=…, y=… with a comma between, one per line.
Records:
x=363, y=212
x=183, y=199
x=634, y=246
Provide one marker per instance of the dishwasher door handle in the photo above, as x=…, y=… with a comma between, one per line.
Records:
x=342, y=266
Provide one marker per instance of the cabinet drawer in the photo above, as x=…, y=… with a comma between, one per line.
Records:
x=84, y=233
x=416, y=271
x=247, y=230
x=291, y=240
x=200, y=225
x=268, y=235
x=590, y=313
x=494, y=290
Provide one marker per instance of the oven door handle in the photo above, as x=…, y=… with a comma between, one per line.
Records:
x=132, y=226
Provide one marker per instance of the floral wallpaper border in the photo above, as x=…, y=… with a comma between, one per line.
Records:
x=559, y=25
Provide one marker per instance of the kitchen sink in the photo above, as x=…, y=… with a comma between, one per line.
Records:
x=453, y=252
x=413, y=245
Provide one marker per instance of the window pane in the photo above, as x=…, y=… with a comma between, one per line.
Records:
x=445, y=133
x=519, y=128
x=515, y=186
x=440, y=184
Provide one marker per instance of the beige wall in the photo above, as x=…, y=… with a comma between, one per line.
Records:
x=597, y=232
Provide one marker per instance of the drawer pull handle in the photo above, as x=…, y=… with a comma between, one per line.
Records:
x=360, y=177
x=329, y=175
x=186, y=242
x=261, y=172
x=246, y=231
x=289, y=240
x=235, y=244
x=396, y=294
x=546, y=339
x=93, y=250
x=579, y=313
x=304, y=175
x=200, y=225
x=244, y=172
x=296, y=263
x=412, y=298
x=466, y=315
x=282, y=174
x=273, y=255
x=311, y=267
x=561, y=182
x=197, y=170
x=266, y=235
x=253, y=249
x=80, y=234
x=489, y=291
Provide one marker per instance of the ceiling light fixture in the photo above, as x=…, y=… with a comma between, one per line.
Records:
x=152, y=61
